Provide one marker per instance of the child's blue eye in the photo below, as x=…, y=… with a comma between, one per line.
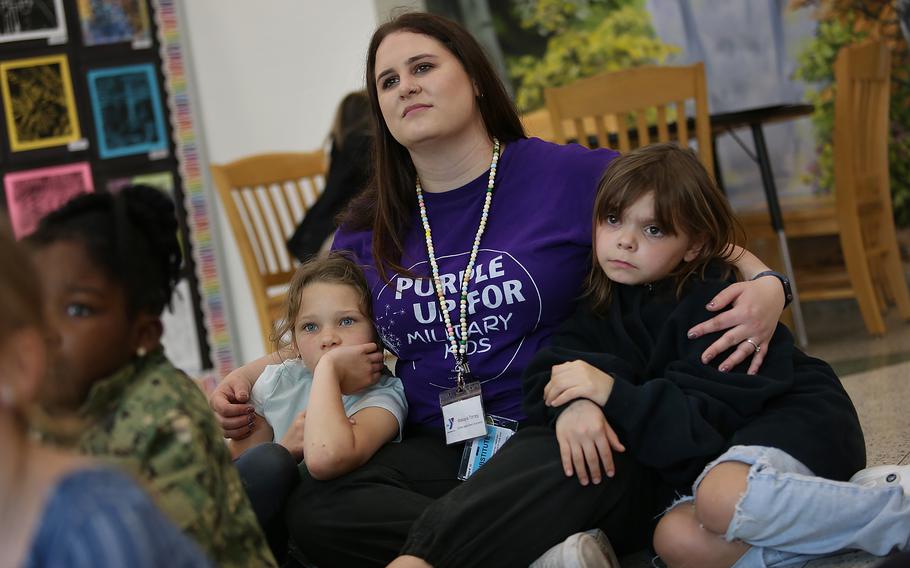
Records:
x=345, y=322
x=78, y=310
x=309, y=328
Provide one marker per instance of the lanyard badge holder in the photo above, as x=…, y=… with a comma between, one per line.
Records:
x=479, y=450
x=462, y=408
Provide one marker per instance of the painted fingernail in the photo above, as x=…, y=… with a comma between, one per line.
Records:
x=692, y=335
x=711, y=304
x=724, y=368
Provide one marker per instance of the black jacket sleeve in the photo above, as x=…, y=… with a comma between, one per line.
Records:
x=578, y=337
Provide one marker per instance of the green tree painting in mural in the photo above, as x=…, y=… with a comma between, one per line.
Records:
x=583, y=38
x=840, y=23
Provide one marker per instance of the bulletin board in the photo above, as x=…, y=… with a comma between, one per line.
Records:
x=94, y=97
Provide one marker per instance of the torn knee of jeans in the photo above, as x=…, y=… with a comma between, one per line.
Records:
x=739, y=516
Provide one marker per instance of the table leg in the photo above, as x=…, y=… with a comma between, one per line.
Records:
x=718, y=178
x=777, y=221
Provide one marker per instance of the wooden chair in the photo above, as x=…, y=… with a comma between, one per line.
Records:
x=603, y=106
x=265, y=196
x=860, y=210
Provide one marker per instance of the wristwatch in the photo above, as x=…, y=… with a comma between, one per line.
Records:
x=784, y=281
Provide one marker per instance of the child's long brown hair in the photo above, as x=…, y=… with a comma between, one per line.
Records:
x=686, y=200
x=336, y=268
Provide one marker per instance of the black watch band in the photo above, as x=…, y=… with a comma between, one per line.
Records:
x=784, y=281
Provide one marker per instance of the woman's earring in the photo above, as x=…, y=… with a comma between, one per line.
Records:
x=141, y=352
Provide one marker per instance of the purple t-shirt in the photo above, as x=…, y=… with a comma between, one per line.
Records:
x=532, y=260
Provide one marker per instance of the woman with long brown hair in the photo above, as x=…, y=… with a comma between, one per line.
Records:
x=475, y=240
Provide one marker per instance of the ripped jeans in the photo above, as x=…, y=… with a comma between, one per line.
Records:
x=789, y=516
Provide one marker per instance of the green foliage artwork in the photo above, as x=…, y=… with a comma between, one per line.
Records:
x=583, y=38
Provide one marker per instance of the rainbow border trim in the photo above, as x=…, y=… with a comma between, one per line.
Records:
x=190, y=170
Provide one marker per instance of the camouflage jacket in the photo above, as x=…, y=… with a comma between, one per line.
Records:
x=151, y=420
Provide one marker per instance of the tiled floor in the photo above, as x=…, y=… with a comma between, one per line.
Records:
x=837, y=335
x=876, y=374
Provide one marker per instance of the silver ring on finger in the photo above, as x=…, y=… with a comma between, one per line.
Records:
x=752, y=342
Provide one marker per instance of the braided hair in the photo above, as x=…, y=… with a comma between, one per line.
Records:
x=130, y=235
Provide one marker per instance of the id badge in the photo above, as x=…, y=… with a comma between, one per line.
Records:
x=479, y=450
x=462, y=412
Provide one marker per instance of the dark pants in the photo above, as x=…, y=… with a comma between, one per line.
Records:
x=269, y=475
x=510, y=512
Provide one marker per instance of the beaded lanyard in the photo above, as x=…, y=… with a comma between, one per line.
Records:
x=459, y=347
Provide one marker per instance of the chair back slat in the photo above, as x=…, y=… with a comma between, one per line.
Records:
x=600, y=124
x=283, y=207
x=641, y=124
x=663, y=132
x=249, y=229
x=682, y=134
x=623, y=134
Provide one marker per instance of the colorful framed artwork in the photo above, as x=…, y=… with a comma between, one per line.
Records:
x=34, y=19
x=38, y=102
x=105, y=22
x=32, y=194
x=126, y=106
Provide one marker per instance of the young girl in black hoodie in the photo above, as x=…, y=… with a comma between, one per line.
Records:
x=765, y=457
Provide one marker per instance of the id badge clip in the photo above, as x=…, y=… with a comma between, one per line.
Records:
x=462, y=412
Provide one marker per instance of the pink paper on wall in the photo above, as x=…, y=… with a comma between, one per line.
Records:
x=32, y=194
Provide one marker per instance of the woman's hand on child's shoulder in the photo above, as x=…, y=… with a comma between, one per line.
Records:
x=757, y=305
x=586, y=442
x=577, y=379
x=230, y=401
x=355, y=367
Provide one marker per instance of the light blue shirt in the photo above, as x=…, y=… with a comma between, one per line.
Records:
x=282, y=391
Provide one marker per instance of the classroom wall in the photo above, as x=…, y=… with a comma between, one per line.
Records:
x=268, y=75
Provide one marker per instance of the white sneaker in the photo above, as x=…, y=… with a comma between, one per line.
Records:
x=884, y=476
x=589, y=549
